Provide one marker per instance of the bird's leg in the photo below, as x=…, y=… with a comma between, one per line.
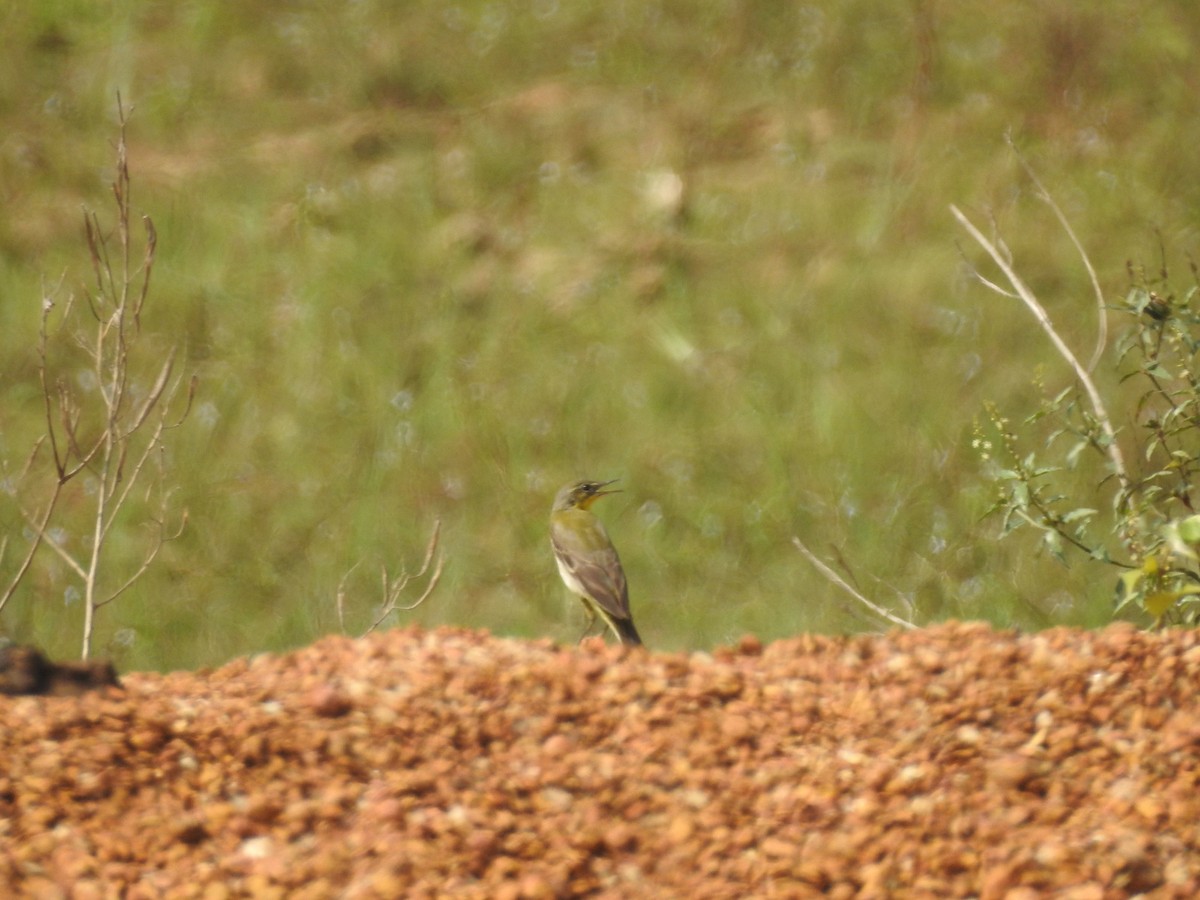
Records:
x=591, y=621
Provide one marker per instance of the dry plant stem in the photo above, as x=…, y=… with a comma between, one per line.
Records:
x=340, y=596
x=838, y=581
x=392, y=590
x=1101, y=314
x=37, y=523
x=113, y=434
x=1039, y=313
x=163, y=537
x=112, y=373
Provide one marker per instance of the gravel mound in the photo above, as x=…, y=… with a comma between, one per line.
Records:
x=955, y=761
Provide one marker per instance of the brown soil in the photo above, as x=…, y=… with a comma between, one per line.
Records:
x=951, y=762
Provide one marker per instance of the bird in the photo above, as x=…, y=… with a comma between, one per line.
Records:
x=587, y=559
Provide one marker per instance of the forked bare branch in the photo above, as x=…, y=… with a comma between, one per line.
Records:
x=1101, y=312
x=111, y=430
x=838, y=581
x=38, y=525
x=392, y=589
x=1111, y=447
x=163, y=538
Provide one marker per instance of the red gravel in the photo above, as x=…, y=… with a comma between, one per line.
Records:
x=951, y=762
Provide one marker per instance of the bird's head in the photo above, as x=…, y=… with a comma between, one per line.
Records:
x=582, y=494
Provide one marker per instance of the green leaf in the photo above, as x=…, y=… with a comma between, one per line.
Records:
x=1128, y=586
x=1073, y=453
x=1020, y=495
x=1178, y=544
x=1189, y=530
x=1160, y=602
x=1053, y=542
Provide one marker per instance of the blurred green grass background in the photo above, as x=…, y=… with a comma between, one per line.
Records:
x=429, y=263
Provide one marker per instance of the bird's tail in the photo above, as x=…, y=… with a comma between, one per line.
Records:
x=626, y=632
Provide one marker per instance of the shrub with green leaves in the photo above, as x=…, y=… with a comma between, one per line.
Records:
x=1062, y=470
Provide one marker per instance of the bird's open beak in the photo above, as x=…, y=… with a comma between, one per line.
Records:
x=606, y=484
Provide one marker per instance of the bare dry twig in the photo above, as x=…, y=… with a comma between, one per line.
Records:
x=1101, y=314
x=392, y=589
x=107, y=431
x=838, y=581
x=1112, y=448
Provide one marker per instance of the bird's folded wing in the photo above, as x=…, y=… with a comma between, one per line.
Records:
x=599, y=573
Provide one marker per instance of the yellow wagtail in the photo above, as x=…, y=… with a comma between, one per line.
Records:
x=587, y=559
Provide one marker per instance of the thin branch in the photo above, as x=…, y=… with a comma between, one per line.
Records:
x=341, y=596
x=979, y=276
x=91, y=230
x=431, y=546
x=1039, y=313
x=60, y=461
x=43, y=535
x=39, y=534
x=193, y=384
x=826, y=570
x=156, y=392
x=392, y=607
x=391, y=592
x=1101, y=312
x=70, y=414
x=163, y=539
x=113, y=431
x=147, y=267
x=119, y=500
